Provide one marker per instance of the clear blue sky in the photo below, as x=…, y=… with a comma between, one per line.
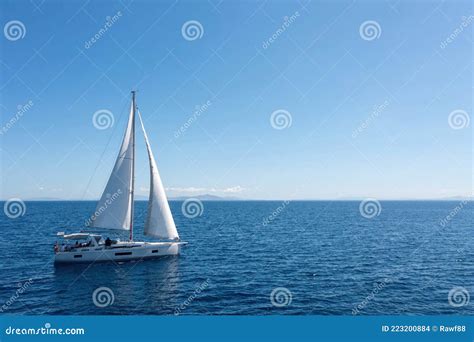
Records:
x=318, y=68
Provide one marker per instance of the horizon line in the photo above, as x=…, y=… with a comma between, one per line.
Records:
x=230, y=199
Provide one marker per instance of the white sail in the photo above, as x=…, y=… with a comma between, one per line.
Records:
x=159, y=222
x=114, y=209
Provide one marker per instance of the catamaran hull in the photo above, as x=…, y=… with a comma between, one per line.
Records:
x=134, y=251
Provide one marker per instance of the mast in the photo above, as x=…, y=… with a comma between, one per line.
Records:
x=133, y=165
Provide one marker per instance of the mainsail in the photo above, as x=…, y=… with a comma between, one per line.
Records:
x=159, y=222
x=115, y=207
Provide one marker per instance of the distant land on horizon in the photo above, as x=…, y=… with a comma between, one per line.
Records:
x=208, y=197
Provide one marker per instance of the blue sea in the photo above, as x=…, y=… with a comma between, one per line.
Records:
x=254, y=258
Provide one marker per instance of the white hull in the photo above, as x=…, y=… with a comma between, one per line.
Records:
x=124, y=251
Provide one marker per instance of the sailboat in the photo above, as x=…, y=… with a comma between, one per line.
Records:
x=115, y=210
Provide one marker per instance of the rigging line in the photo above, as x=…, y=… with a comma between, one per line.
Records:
x=103, y=152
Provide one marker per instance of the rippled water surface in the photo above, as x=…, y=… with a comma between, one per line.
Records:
x=329, y=258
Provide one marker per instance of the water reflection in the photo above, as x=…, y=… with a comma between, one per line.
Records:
x=152, y=286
